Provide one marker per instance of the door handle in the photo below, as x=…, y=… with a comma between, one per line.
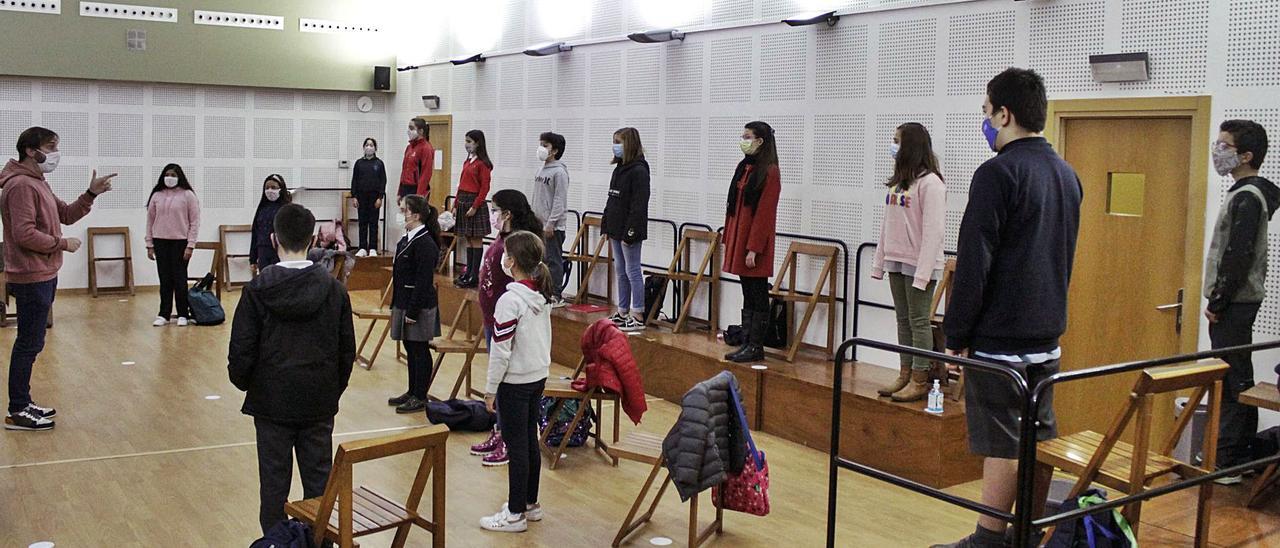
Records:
x=1177, y=307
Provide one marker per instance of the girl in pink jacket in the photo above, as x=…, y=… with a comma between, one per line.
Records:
x=173, y=228
x=910, y=251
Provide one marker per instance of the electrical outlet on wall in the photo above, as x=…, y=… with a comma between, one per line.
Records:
x=344, y=164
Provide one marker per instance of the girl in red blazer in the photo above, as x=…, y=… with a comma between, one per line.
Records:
x=470, y=209
x=749, y=231
x=419, y=160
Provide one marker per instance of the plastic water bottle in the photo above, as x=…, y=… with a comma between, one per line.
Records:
x=935, y=399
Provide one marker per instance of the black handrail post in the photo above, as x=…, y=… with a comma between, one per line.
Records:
x=836, y=392
x=1024, y=509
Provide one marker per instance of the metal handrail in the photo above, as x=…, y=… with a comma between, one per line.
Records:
x=1024, y=523
x=857, y=290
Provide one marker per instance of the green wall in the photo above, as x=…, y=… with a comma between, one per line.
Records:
x=73, y=46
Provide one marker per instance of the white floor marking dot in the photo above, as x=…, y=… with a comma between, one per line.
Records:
x=123, y=301
x=128, y=363
x=759, y=367
x=660, y=541
x=213, y=397
x=41, y=544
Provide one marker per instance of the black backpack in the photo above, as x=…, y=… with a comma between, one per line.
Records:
x=655, y=291
x=206, y=309
x=461, y=415
x=1106, y=529
x=289, y=533
x=775, y=335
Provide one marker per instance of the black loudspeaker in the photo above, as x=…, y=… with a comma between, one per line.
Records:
x=382, y=78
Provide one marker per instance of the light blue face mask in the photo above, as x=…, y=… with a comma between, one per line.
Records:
x=617, y=150
x=893, y=150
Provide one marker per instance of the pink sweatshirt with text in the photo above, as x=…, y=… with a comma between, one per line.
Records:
x=914, y=224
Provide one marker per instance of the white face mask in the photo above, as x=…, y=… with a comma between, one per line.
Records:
x=400, y=217
x=170, y=182
x=413, y=134
x=543, y=153
x=50, y=162
x=506, y=269
x=272, y=194
x=368, y=151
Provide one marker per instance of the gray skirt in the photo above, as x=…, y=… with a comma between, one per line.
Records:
x=426, y=328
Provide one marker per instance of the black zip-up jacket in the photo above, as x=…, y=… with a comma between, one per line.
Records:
x=626, y=214
x=369, y=178
x=1238, y=257
x=1015, y=252
x=413, y=274
x=292, y=345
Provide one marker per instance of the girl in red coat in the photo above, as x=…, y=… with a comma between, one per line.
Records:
x=419, y=160
x=749, y=232
x=470, y=208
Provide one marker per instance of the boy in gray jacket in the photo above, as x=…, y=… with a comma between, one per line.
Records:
x=550, y=202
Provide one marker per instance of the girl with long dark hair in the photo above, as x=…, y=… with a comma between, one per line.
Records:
x=275, y=193
x=173, y=228
x=910, y=251
x=750, y=230
x=470, y=209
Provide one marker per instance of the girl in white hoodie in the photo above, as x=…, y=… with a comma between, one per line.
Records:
x=519, y=362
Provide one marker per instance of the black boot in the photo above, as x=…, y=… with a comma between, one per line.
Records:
x=753, y=351
x=472, y=276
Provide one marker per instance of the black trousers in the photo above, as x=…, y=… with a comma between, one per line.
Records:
x=419, y=367
x=519, y=411
x=277, y=443
x=172, y=269
x=368, y=217
x=1238, y=423
x=755, y=294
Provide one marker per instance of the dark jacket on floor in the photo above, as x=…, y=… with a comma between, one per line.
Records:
x=1015, y=251
x=292, y=345
x=626, y=214
x=1236, y=266
x=705, y=444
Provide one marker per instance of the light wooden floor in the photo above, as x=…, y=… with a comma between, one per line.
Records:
x=140, y=457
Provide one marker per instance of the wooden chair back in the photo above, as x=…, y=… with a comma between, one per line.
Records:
x=681, y=271
x=943, y=289
x=786, y=288
x=224, y=231
x=463, y=337
x=384, y=513
x=126, y=259
x=582, y=251
x=215, y=266
x=952, y=380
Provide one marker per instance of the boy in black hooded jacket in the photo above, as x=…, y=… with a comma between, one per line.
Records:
x=292, y=348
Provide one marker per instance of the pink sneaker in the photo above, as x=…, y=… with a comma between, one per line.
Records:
x=499, y=455
x=486, y=447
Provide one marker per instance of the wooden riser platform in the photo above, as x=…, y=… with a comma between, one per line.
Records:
x=791, y=400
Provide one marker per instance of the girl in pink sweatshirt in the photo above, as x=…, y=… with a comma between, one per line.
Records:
x=173, y=228
x=910, y=251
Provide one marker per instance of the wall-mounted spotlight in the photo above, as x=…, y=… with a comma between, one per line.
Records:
x=1121, y=67
x=477, y=58
x=655, y=36
x=828, y=17
x=548, y=49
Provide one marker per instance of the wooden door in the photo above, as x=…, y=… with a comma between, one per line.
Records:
x=441, y=140
x=1130, y=259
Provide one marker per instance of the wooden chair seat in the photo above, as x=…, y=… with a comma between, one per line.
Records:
x=447, y=345
x=638, y=446
x=647, y=448
x=561, y=389
x=463, y=337
x=1076, y=449
x=374, y=315
x=371, y=512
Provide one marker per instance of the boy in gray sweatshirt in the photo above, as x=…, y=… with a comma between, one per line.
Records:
x=550, y=201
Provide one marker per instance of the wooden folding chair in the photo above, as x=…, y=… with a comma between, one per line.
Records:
x=789, y=293
x=581, y=251
x=362, y=511
x=689, y=279
x=562, y=390
x=1130, y=468
x=374, y=315
x=1263, y=396
x=223, y=232
x=647, y=448
x=463, y=338
x=215, y=266
x=953, y=380
x=126, y=260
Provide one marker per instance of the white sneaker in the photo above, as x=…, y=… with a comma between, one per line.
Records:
x=558, y=302
x=362, y=253
x=160, y=322
x=532, y=512
x=373, y=253
x=504, y=522
x=182, y=322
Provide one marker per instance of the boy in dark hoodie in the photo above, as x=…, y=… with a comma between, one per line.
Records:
x=292, y=347
x=1235, y=276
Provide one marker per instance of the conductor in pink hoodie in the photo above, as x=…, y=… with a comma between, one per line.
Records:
x=33, y=219
x=910, y=251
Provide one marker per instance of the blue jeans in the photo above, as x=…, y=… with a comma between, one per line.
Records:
x=34, y=301
x=554, y=257
x=626, y=258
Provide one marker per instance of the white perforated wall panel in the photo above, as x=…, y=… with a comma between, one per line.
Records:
x=841, y=70
x=784, y=74
x=177, y=96
x=14, y=122
x=71, y=128
x=68, y=181
x=599, y=133
x=273, y=100
x=65, y=91
x=320, y=139
x=972, y=56
x=792, y=136
x=605, y=68
x=120, y=93
x=1253, y=36
x=643, y=75
x=683, y=146
x=224, y=137
x=963, y=149
x=357, y=131
x=463, y=88
x=571, y=80
x=686, y=70
x=538, y=83
x=273, y=138
x=1176, y=34
x=326, y=102
x=907, y=58
x=514, y=150
x=575, y=154
x=1063, y=36
x=732, y=11
x=606, y=18
x=225, y=187
x=173, y=136
x=128, y=190
x=12, y=89
x=120, y=135
x=688, y=206
x=486, y=88
x=511, y=86
x=513, y=27
x=733, y=72
x=723, y=154
x=216, y=97
x=839, y=162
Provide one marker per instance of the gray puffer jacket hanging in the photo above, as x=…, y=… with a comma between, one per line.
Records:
x=705, y=443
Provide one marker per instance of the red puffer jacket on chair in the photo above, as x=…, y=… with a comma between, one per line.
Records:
x=610, y=364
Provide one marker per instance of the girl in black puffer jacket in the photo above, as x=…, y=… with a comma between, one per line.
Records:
x=625, y=222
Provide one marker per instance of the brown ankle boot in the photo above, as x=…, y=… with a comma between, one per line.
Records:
x=917, y=390
x=904, y=377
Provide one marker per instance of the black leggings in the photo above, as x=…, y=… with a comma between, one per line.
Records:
x=172, y=269
x=520, y=408
x=755, y=294
x=419, y=358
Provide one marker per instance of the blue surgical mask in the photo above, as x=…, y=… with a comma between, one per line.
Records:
x=989, y=131
x=617, y=150
x=893, y=150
